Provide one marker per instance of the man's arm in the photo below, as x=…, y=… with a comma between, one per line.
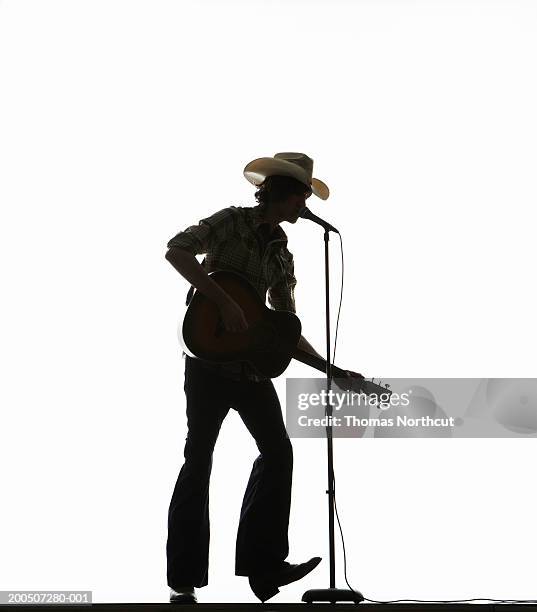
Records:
x=304, y=345
x=189, y=268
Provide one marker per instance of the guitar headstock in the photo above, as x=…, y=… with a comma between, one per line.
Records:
x=360, y=384
x=370, y=387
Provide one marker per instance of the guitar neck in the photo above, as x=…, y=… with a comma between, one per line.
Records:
x=358, y=385
x=315, y=362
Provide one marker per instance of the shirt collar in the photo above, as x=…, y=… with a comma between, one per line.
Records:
x=257, y=218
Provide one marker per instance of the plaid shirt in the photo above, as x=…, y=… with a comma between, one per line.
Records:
x=231, y=239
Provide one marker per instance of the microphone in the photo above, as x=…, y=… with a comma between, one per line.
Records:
x=307, y=214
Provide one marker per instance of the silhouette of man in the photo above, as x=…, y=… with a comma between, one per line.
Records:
x=250, y=241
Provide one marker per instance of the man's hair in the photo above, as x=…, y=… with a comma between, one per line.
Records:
x=278, y=188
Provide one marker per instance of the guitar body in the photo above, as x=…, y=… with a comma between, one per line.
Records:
x=268, y=344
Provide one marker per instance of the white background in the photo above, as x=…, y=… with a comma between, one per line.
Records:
x=123, y=122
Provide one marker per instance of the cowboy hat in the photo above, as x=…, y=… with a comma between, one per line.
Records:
x=296, y=165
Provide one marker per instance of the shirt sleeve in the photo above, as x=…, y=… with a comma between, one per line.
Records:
x=201, y=238
x=281, y=296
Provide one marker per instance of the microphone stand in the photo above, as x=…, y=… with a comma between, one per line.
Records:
x=331, y=594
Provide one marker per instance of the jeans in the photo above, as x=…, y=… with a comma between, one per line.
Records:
x=262, y=542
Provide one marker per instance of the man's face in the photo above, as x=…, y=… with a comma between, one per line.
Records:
x=292, y=206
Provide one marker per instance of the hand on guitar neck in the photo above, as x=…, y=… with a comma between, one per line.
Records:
x=345, y=378
x=345, y=375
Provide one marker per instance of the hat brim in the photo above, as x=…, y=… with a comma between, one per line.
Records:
x=257, y=171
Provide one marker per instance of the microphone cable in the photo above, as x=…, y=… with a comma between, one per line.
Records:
x=441, y=601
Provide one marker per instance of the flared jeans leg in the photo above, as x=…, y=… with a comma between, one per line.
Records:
x=262, y=540
x=187, y=547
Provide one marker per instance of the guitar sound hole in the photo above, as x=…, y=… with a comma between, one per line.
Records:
x=265, y=338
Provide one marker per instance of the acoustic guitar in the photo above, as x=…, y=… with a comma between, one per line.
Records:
x=269, y=343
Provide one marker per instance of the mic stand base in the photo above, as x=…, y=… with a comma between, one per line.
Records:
x=332, y=595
